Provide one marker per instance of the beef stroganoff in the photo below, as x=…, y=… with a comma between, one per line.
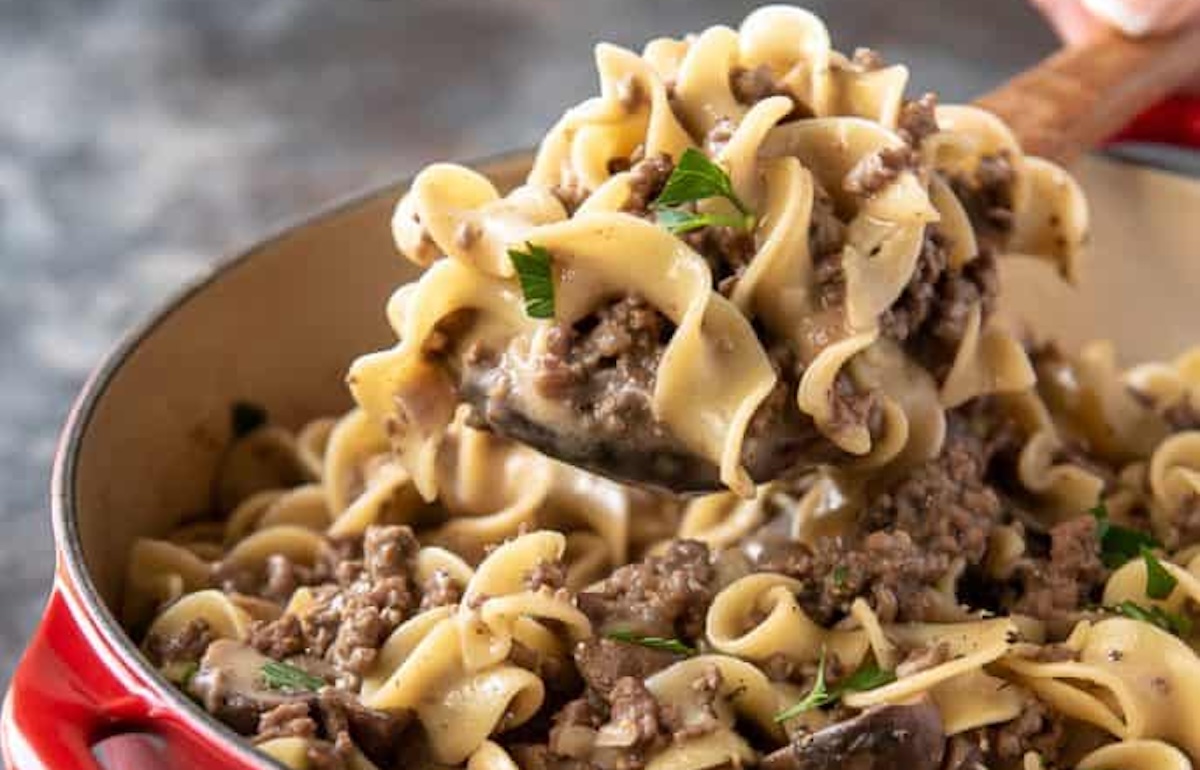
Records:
x=750, y=263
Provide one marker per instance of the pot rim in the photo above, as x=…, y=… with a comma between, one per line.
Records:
x=63, y=503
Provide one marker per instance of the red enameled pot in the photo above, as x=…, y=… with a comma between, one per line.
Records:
x=280, y=323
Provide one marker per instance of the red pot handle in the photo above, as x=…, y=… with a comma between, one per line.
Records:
x=1175, y=121
x=72, y=690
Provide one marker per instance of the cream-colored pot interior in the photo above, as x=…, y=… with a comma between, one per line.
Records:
x=280, y=326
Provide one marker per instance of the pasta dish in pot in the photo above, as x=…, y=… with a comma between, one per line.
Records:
x=752, y=270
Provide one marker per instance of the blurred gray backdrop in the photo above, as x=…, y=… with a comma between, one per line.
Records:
x=141, y=139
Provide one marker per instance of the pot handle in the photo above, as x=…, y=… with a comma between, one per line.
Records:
x=71, y=691
x=1174, y=121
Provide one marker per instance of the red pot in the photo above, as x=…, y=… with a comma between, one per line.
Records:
x=279, y=325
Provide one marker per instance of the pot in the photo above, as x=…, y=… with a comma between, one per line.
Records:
x=279, y=325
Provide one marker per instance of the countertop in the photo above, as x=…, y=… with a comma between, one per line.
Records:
x=142, y=139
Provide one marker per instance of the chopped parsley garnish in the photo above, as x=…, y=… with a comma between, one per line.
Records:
x=867, y=677
x=246, y=418
x=696, y=178
x=841, y=574
x=1181, y=625
x=1159, y=582
x=653, y=642
x=188, y=674
x=283, y=676
x=1119, y=544
x=537, y=281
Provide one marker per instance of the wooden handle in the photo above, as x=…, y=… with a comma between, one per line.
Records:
x=1074, y=100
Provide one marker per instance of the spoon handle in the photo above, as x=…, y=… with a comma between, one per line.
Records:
x=1080, y=96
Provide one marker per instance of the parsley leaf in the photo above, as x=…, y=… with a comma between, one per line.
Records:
x=653, y=642
x=680, y=221
x=537, y=282
x=1159, y=582
x=1170, y=622
x=246, y=417
x=693, y=179
x=818, y=696
x=283, y=676
x=188, y=673
x=867, y=677
x=841, y=574
x=1119, y=544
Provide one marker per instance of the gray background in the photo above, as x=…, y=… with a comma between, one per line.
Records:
x=141, y=139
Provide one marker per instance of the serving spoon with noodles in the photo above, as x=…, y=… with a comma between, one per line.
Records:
x=1059, y=109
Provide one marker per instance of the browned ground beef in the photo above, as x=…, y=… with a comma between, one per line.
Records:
x=646, y=180
x=1056, y=586
x=1038, y=729
x=352, y=617
x=987, y=195
x=918, y=119
x=289, y=720
x=943, y=316
x=665, y=595
x=906, y=541
x=751, y=86
x=826, y=237
x=878, y=170
x=916, y=304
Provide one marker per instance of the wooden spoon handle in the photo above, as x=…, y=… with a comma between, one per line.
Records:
x=1074, y=100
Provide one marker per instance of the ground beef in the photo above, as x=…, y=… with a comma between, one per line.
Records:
x=547, y=574
x=280, y=638
x=634, y=712
x=571, y=196
x=665, y=595
x=646, y=180
x=351, y=618
x=908, y=313
x=826, y=238
x=185, y=646
x=727, y=250
x=602, y=662
x=751, y=86
x=438, y=590
x=878, y=170
x=918, y=119
x=1037, y=729
x=936, y=340
x=1055, y=587
x=987, y=196
x=541, y=757
x=290, y=720
x=906, y=541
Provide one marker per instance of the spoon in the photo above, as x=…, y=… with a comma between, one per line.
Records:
x=1059, y=109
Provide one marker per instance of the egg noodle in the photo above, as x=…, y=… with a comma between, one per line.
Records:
x=997, y=567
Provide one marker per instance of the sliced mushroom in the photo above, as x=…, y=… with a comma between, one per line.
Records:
x=906, y=736
x=230, y=684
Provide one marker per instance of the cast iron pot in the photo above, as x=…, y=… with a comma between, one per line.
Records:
x=279, y=325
